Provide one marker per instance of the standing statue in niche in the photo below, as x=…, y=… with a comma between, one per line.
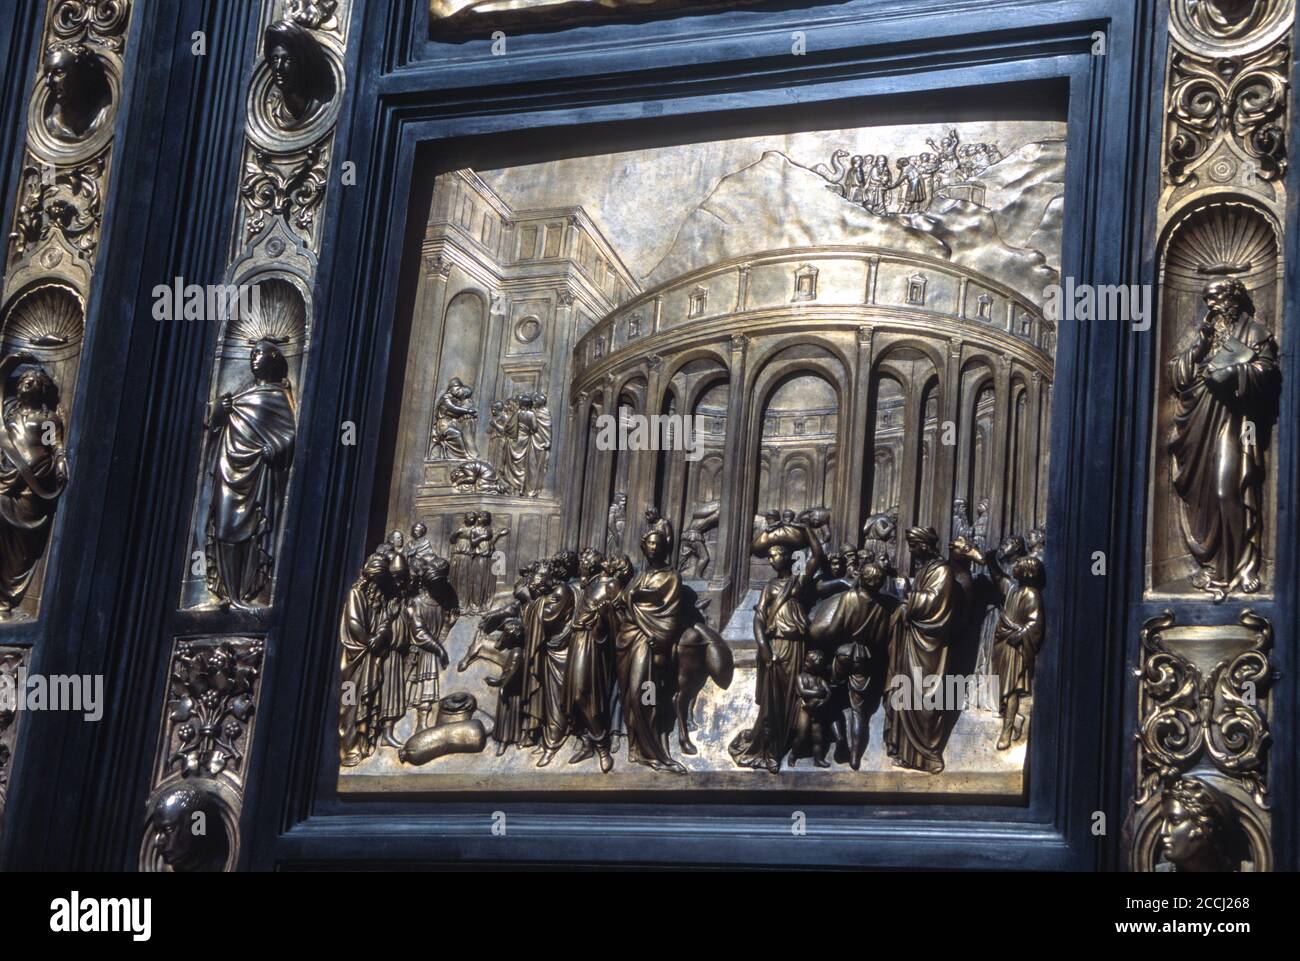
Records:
x=79, y=93
x=454, y=424
x=252, y=436
x=781, y=626
x=33, y=475
x=1226, y=381
x=302, y=82
x=961, y=525
x=694, y=561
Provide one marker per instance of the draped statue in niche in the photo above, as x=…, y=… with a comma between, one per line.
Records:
x=252, y=434
x=33, y=475
x=1226, y=382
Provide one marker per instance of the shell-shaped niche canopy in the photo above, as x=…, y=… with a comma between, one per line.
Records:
x=1223, y=240
x=271, y=309
x=47, y=319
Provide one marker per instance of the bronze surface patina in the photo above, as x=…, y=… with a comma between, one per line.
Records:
x=747, y=493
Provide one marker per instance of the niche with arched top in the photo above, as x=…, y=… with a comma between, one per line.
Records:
x=1223, y=240
x=40, y=352
x=249, y=435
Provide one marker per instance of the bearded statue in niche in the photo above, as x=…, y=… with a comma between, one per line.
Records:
x=252, y=436
x=79, y=93
x=301, y=80
x=33, y=475
x=1226, y=383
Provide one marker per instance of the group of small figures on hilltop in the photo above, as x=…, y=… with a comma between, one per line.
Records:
x=868, y=180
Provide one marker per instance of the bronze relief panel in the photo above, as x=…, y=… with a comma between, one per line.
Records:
x=744, y=492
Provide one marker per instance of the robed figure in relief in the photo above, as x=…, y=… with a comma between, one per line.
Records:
x=781, y=629
x=548, y=629
x=920, y=637
x=33, y=475
x=1226, y=383
x=654, y=615
x=252, y=434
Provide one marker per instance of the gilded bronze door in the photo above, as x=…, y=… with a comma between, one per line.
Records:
x=760, y=433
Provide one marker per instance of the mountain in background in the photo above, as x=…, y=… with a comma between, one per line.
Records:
x=775, y=203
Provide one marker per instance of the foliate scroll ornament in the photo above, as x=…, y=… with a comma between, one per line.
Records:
x=288, y=187
x=1212, y=97
x=67, y=203
x=1202, y=702
x=101, y=21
